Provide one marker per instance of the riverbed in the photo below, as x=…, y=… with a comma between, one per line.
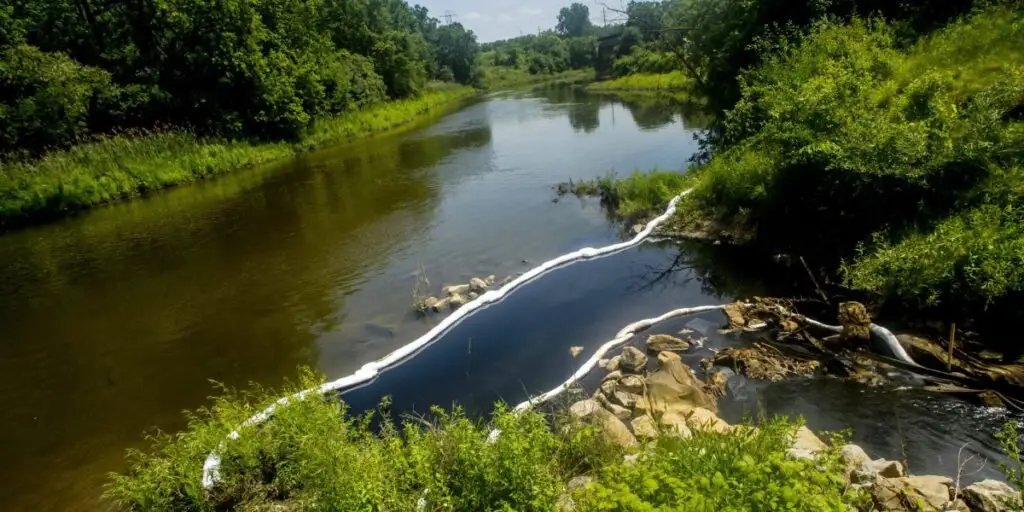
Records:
x=116, y=320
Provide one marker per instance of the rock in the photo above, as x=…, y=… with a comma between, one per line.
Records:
x=645, y=427
x=472, y=296
x=915, y=493
x=734, y=313
x=456, y=289
x=638, y=228
x=633, y=361
x=673, y=387
x=580, y=482
x=613, y=376
x=575, y=351
x=441, y=305
x=632, y=384
x=888, y=468
x=702, y=418
x=807, y=441
x=854, y=456
x=608, y=387
x=991, y=496
x=674, y=424
x=602, y=363
x=477, y=285
x=612, y=427
x=625, y=399
x=490, y=279
x=717, y=383
x=427, y=304
x=456, y=301
x=927, y=352
x=663, y=342
x=613, y=364
x=664, y=357
x=796, y=453
x=583, y=408
x=855, y=320
x=623, y=414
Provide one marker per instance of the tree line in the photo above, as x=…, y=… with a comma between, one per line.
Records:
x=71, y=69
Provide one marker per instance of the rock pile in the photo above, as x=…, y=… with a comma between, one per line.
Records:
x=456, y=296
x=633, y=403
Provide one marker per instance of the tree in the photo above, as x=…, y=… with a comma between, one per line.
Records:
x=574, y=21
x=456, y=50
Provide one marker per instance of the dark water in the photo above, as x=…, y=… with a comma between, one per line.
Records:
x=115, y=321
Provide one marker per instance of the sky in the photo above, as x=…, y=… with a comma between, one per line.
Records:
x=491, y=20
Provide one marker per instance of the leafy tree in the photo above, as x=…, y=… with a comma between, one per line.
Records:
x=456, y=50
x=574, y=21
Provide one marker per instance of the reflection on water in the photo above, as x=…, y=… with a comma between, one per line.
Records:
x=116, y=320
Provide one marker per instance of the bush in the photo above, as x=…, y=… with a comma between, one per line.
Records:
x=744, y=470
x=848, y=147
x=46, y=99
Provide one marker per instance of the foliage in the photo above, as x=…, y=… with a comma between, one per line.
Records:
x=1009, y=441
x=574, y=21
x=129, y=164
x=745, y=470
x=639, y=194
x=232, y=68
x=313, y=455
x=904, y=161
x=675, y=81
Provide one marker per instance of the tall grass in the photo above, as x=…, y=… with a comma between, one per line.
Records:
x=674, y=81
x=501, y=77
x=641, y=194
x=313, y=455
x=130, y=164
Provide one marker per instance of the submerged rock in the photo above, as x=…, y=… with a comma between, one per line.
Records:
x=575, y=351
x=664, y=342
x=991, y=496
x=457, y=289
x=456, y=301
x=477, y=285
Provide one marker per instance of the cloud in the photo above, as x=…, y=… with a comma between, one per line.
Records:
x=530, y=11
x=473, y=16
x=504, y=17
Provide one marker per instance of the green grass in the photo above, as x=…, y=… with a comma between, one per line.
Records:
x=674, y=81
x=501, y=77
x=127, y=165
x=314, y=456
x=638, y=195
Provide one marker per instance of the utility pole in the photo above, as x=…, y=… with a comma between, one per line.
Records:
x=448, y=15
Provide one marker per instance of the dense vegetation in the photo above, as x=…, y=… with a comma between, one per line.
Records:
x=316, y=456
x=101, y=100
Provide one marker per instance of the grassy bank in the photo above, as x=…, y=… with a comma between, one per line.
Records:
x=899, y=169
x=131, y=164
x=637, y=195
x=674, y=81
x=498, y=77
x=314, y=456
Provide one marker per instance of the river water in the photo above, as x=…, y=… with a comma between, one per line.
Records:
x=115, y=321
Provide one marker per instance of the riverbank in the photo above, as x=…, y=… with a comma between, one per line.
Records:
x=675, y=81
x=128, y=165
x=499, y=78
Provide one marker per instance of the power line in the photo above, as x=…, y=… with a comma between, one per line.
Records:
x=448, y=16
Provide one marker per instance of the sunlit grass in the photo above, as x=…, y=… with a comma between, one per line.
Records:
x=638, y=195
x=130, y=164
x=674, y=81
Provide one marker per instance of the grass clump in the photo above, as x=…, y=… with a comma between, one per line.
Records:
x=499, y=77
x=674, y=81
x=313, y=455
x=131, y=164
x=904, y=162
x=638, y=195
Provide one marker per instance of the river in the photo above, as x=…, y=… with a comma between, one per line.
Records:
x=116, y=320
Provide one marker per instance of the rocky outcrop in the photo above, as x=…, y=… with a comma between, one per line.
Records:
x=991, y=496
x=632, y=360
x=612, y=427
x=913, y=493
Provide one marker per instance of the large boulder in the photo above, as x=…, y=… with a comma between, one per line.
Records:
x=854, y=457
x=674, y=387
x=631, y=384
x=632, y=360
x=478, y=285
x=613, y=428
x=991, y=496
x=614, y=364
x=914, y=493
x=457, y=289
x=806, y=445
x=664, y=342
x=644, y=427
